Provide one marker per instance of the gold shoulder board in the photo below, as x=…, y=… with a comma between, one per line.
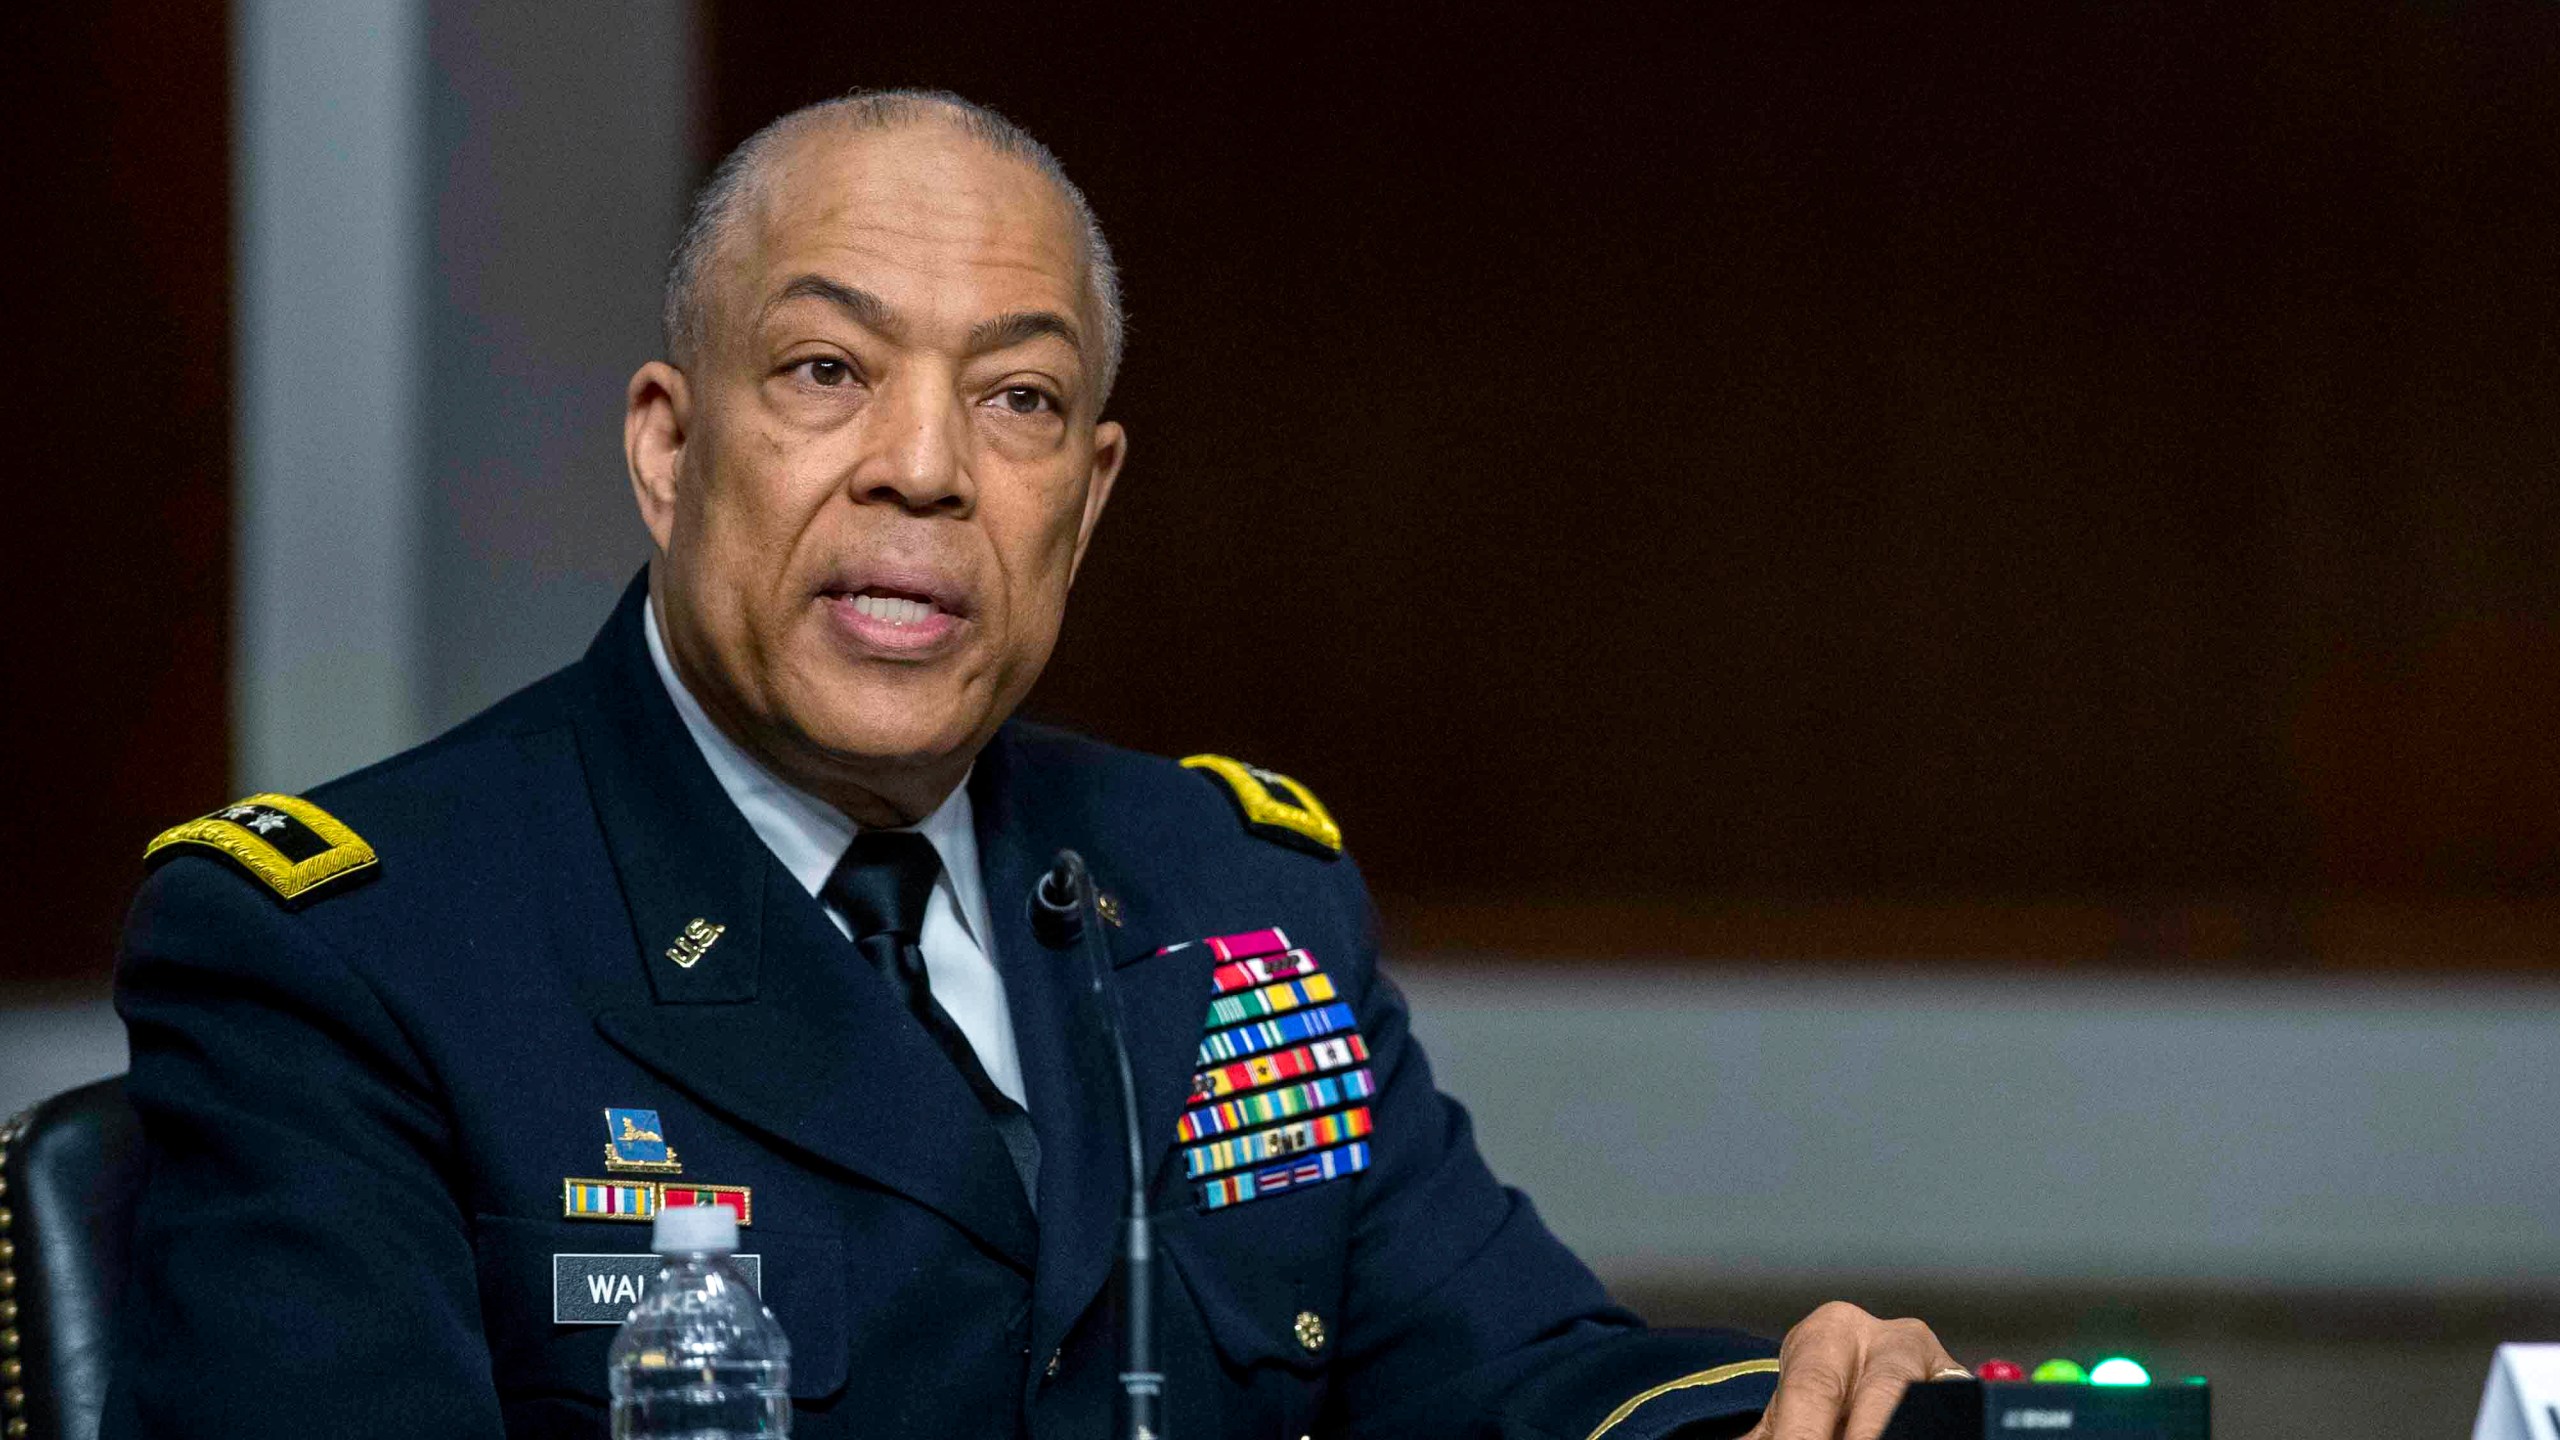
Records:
x=296, y=848
x=1274, y=806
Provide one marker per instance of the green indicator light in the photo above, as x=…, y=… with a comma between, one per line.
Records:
x=2195, y=1380
x=2058, y=1372
x=2117, y=1370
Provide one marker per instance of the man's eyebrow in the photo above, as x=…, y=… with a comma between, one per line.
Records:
x=859, y=305
x=1012, y=328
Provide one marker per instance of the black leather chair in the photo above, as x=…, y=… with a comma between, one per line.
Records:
x=70, y=1171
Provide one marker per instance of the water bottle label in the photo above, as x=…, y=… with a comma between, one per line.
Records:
x=601, y=1289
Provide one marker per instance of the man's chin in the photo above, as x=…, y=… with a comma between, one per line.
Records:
x=891, y=755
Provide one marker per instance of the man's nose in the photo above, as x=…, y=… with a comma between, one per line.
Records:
x=921, y=460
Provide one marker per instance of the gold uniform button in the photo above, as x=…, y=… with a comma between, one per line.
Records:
x=1310, y=1331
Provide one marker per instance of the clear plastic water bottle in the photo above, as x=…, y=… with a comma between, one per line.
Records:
x=700, y=1358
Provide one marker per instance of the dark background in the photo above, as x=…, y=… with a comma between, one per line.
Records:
x=2054, y=480
x=2052, y=483
x=115, y=645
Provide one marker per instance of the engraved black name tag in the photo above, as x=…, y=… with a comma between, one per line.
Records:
x=601, y=1289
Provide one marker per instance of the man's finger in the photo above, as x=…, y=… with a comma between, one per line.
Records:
x=1813, y=1386
x=1879, y=1390
x=1910, y=1353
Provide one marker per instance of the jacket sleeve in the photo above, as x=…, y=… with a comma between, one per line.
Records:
x=1466, y=1317
x=300, y=1264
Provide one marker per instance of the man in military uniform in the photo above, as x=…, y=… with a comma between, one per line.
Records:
x=736, y=910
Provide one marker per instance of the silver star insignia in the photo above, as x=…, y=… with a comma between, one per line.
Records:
x=239, y=812
x=266, y=821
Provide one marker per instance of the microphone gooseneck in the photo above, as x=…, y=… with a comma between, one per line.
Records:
x=1062, y=914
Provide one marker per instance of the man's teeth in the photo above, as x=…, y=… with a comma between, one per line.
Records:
x=894, y=610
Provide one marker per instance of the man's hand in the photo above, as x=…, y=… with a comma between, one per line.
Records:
x=1841, y=1372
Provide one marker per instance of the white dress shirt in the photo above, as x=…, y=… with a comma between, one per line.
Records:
x=809, y=836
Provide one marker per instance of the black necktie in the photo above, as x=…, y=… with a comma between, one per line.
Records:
x=882, y=886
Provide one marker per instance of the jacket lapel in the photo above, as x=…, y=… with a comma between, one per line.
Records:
x=1025, y=814
x=754, y=1003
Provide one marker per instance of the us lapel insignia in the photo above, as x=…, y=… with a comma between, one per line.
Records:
x=634, y=1140
x=608, y=1199
x=1275, y=1102
x=738, y=1198
x=696, y=941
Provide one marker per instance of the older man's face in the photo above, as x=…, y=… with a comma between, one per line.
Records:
x=888, y=463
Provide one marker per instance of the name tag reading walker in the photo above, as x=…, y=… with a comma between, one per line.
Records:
x=601, y=1289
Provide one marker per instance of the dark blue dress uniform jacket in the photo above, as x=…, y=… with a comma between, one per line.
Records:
x=361, y=1112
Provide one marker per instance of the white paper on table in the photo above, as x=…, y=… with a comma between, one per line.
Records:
x=2522, y=1399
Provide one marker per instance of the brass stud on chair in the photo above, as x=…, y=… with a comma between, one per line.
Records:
x=12, y=1369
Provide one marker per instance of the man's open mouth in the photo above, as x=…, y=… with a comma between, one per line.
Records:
x=897, y=619
x=892, y=608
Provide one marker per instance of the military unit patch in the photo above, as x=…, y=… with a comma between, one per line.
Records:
x=634, y=1140
x=1281, y=1066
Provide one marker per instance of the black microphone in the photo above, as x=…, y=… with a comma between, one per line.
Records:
x=1063, y=914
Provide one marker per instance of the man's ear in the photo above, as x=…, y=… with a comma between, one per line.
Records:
x=1110, y=452
x=657, y=418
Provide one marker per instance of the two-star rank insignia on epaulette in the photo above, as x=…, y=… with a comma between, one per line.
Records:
x=1274, y=806
x=294, y=847
x=1282, y=1068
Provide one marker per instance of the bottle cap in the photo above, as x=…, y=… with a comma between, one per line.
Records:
x=695, y=1230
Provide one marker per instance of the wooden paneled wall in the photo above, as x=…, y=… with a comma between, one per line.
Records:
x=2077, y=480
x=2070, y=481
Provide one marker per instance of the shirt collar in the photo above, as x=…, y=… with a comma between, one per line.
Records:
x=805, y=833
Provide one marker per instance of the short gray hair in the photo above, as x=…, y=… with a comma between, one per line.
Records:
x=718, y=204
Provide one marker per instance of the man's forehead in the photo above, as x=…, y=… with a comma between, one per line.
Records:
x=921, y=209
